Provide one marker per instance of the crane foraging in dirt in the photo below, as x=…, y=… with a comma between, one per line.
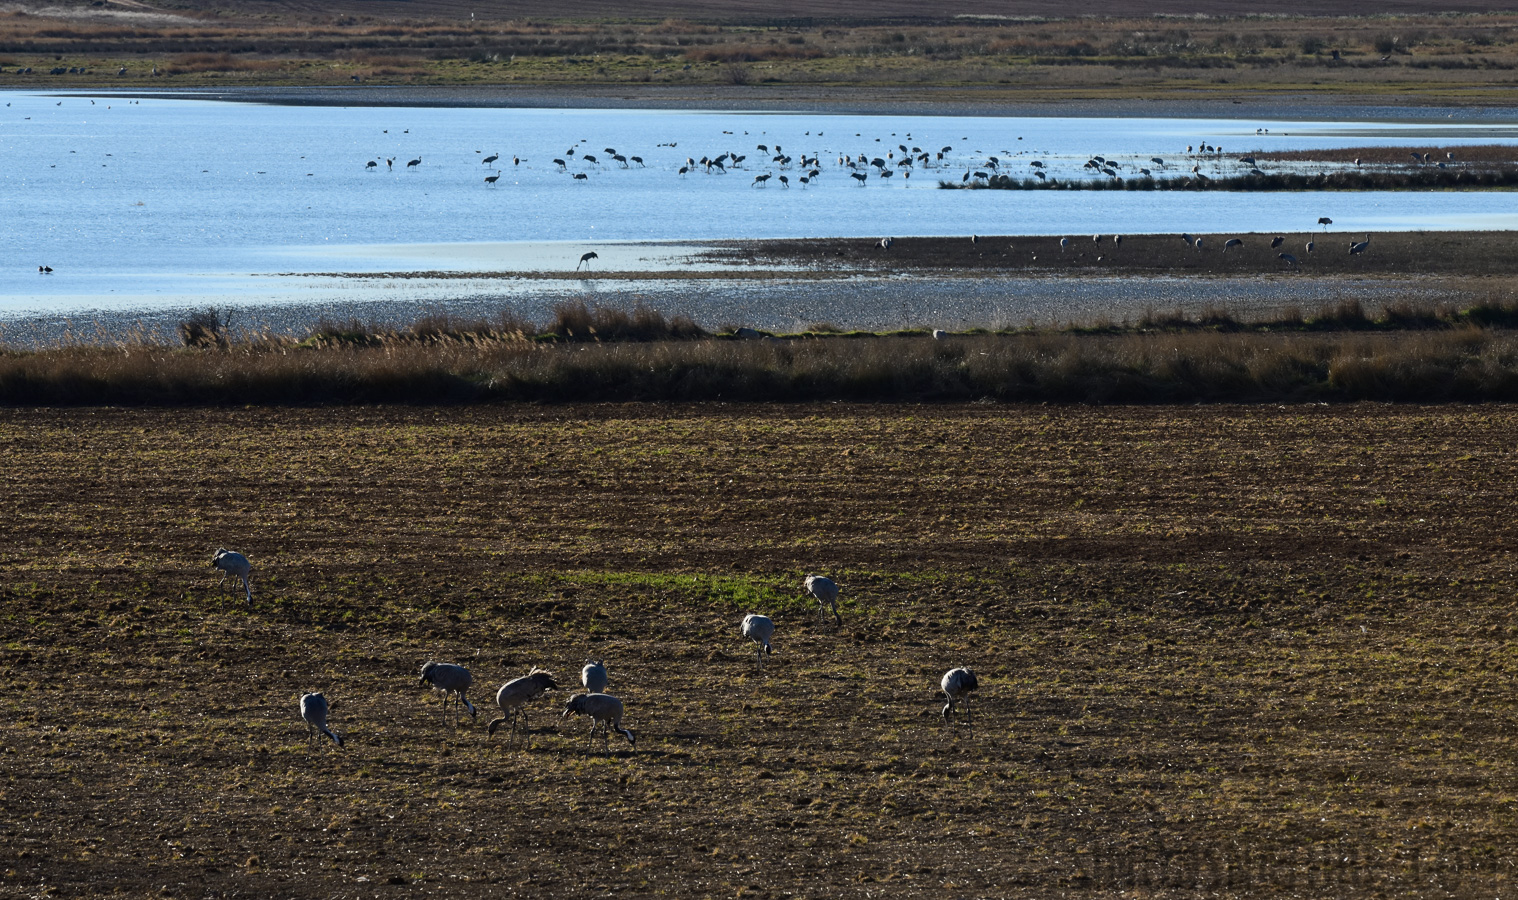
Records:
x=235, y=564
x=759, y=629
x=313, y=708
x=605, y=712
x=826, y=592
x=957, y=685
x=514, y=696
x=453, y=681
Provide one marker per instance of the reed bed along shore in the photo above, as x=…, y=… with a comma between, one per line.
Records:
x=1344, y=354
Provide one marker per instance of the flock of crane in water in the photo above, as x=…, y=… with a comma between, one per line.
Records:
x=604, y=710
x=861, y=166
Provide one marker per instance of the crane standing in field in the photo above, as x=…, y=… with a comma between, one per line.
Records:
x=585, y=259
x=453, y=681
x=514, y=696
x=593, y=676
x=235, y=564
x=957, y=685
x=313, y=708
x=826, y=592
x=605, y=712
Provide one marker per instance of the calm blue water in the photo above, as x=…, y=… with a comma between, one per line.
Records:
x=166, y=202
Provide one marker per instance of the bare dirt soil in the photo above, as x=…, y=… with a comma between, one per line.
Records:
x=1224, y=651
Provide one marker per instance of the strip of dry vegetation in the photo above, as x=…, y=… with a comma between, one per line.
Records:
x=1405, y=354
x=1390, y=56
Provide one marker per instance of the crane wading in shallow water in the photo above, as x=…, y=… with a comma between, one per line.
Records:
x=585, y=259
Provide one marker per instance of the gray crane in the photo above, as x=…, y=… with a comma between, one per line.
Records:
x=453, y=681
x=957, y=685
x=605, y=712
x=826, y=592
x=1358, y=247
x=585, y=259
x=233, y=563
x=593, y=676
x=514, y=696
x=313, y=708
x=759, y=629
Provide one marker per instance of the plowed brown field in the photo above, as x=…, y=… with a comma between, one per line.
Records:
x=1223, y=651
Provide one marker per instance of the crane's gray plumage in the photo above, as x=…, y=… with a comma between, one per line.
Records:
x=235, y=564
x=957, y=685
x=759, y=629
x=826, y=592
x=605, y=711
x=313, y=708
x=593, y=676
x=514, y=696
x=453, y=681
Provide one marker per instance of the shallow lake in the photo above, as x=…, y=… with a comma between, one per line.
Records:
x=143, y=202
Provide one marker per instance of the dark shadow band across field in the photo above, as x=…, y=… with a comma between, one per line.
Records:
x=1342, y=355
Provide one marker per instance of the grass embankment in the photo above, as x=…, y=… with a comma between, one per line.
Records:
x=1423, y=59
x=1263, y=652
x=1405, y=354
